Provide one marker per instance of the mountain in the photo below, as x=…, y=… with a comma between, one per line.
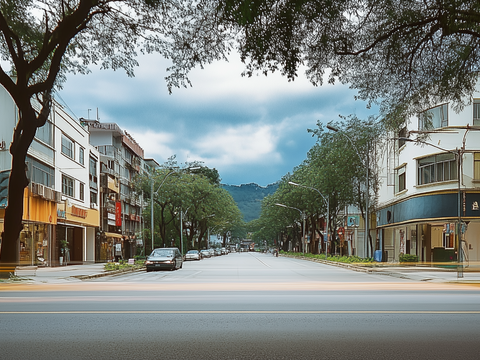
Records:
x=249, y=198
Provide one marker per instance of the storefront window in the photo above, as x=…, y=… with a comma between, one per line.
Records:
x=35, y=244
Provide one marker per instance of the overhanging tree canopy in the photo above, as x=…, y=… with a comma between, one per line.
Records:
x=412, y=51
x=43, y=40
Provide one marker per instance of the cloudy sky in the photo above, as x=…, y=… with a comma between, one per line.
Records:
x=249, y=129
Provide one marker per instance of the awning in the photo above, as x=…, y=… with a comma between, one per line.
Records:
x=115, y=235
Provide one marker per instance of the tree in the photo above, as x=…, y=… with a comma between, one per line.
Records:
x=203, y=203
x=44, y=40
x=395, y=52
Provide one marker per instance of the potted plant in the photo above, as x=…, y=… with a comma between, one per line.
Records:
x=63, y=250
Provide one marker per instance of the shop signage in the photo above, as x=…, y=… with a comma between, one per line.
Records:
x=475, y=206
x=82, y=213
x=61, y=214
x=118, y=213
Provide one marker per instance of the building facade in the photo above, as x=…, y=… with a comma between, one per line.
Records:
x=430, y=189
x=59, y=218
x=121, y=219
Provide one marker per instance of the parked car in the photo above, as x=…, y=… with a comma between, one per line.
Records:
x=205, y=253
x=224, y=251
x=193, y=255
x=212, y=252
x=218, y=252
x=164, y=258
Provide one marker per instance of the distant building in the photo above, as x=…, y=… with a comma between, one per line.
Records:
x=121, y=219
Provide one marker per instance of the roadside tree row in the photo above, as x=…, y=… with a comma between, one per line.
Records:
x=188, y=201
x=332, y=178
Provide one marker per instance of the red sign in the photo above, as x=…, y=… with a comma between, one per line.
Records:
x=118, y=213
x=79, y=212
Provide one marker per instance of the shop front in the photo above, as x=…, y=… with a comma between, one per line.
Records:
x=108, y=246
x=35, y=241
x=75, y=234
x=427, y=227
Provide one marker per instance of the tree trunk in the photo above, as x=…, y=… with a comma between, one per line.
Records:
x=23, y=137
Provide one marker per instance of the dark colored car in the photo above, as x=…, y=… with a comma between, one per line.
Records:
x=164, y=258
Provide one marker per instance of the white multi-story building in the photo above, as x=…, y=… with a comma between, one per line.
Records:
x=60, y=214
x=426, y=187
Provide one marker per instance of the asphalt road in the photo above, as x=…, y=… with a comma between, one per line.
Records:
x=242, y=306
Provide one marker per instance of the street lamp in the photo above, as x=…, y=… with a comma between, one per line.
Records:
x=458, y=157
x=155, y=193
x=367, y=230
x=302, y=213
x=328, y=211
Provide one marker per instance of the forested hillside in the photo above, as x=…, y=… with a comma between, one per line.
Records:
x=249, y=198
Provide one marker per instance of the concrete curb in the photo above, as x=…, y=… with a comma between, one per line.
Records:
x=107, y=273
x=332, y=263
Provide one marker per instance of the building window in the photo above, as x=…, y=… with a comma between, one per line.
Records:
x=82, y=191
x=476, y=112
x=67, y=186
x=402, y=134
x=93, y=197
x=93, y=170
x=81, y=156
x=476, y=166
x=67, y=147
x=434, y=118
x=45, y=133
x=437, y=168
x=400, y=180
x=41, y=173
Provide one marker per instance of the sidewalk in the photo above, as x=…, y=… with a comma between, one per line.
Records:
x=415, y=273
x=65, y=274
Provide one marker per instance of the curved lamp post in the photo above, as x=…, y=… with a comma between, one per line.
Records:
x=328, y=211
x=155, y=194
x=302, y=213
x=365, y=163
x=458, y=158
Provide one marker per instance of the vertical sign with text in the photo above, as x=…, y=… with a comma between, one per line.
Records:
x=118, y=213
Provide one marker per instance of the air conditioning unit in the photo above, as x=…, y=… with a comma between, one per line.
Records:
x=34, y=188
x=58, y=197
x=40, y=190
x=48, y=193
x=93, y=206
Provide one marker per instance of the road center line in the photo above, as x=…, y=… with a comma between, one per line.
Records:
x=359, y=312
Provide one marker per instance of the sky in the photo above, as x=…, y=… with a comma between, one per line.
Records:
x=252, y=130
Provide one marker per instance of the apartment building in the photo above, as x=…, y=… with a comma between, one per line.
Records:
x=60, y=214
x=431, y=185
x=121, y=220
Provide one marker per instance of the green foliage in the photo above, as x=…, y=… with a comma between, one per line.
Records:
x=336, y=258
x=122, y=265
x=192, y=195
x=408, y=258
x=393, y=52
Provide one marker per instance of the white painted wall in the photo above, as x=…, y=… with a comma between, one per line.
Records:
x=65, y=124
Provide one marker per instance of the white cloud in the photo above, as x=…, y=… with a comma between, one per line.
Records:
x=244, y=144
x=157, y=145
